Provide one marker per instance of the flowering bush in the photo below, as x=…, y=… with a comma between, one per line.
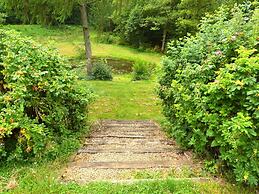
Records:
x=38, y=97
x=210, y=91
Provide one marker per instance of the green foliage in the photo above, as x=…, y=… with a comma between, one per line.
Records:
x=54, y=12
x=2, y=18
x=128, y=26
x=2, y=14
x=190, y=13
x=209, y=89
x=152, y=23
x=141, y=71
x=43, y=12
x=101, y=71
x=100, y=15
x=38, y=99
x=108, y=38
x=143, y=24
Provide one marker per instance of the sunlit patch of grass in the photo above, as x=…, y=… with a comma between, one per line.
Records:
x=68, y=38
x=123, y=52
x=124, y=99
x=67, y=49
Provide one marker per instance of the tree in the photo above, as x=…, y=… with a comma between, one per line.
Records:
x=20, y=7
x=49, y=12
x=148, y=23
x=86, y=32
x=160, y=15
x=190, y=12
x=101, y=15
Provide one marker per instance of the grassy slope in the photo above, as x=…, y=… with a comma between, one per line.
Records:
x=68, y=39
x=120, y=99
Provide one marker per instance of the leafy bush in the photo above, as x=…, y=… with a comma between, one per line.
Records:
x=108, y=38
x=38, y=98
x=146, y=24
x=2, y=18
x=101, y=71
x=210, y=91
x=141, y=71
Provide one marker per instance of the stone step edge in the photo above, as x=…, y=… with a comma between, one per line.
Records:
x=132, y=151
x=124, y=164
x=136, y=181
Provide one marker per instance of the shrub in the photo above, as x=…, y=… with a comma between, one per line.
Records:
x=38, y=98
x=2, y=18
x=210, y=91
x=108, y=38
x=141, y=71
x=101, y=71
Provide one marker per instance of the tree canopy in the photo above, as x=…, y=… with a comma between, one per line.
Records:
x=141, y=23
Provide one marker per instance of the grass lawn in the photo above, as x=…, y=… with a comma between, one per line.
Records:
x=43, y=178
x=69, y=39
x=124, y=99
x=117, y=99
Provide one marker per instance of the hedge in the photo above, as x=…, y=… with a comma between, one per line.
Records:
x=39, y=99
x=210, y=91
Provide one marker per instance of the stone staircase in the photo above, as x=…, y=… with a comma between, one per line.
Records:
x=116, y=149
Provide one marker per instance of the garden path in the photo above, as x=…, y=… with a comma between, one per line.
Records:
x=119, y=150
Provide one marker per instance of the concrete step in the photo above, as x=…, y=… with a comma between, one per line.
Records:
x=126, y=165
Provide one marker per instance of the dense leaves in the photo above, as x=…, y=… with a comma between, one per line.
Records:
x=101, y=71
x=141, y=71
x=142, y=23
x=38, y=97
x=42, y=12
x=2, y=18
x=151, y=23
x=210, y=91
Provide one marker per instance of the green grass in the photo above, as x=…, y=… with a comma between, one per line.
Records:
x=44, y=177
x=117, y=99
x=68, y=39
x=124, y=99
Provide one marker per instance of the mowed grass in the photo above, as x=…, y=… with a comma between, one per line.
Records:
x=68, y=39
x=124, y=99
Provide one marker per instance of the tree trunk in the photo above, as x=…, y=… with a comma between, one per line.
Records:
x=164, y=40
x=86, y=31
